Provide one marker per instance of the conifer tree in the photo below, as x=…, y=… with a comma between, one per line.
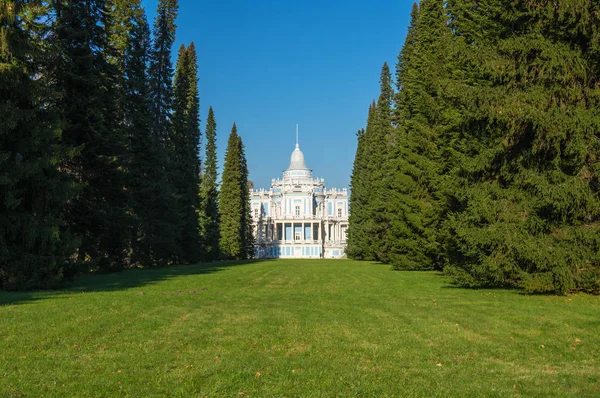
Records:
x=185, y=160
x=89, y=110
x=166, y=232
x=367, y=223
x=378, y=143
x=414, y=163
x=524, y=194
x=161, y=69
x=34, y=244
x=152, y=206
x=234, y=243
x=209, y=194
x=247, y=234
x=357, y=239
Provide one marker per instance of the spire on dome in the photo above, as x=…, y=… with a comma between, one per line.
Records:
x=297, y=158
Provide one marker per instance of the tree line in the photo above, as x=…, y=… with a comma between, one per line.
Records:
x=484, y=161
x=100, y=138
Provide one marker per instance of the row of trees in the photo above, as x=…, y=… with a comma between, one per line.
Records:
x=99, y=145
x=485, y=160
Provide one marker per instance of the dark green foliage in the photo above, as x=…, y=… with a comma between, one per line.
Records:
x=247, y=236
x=234, y=213
x=414, y=162
x=152, y=206
x=87, y=83
x=492, y=169
x=359, y=242
x=184, y=158
x=378, y=137
x=161, y=69
x=358, y=180
x=90, y=143
x=368, y=221
x=35, y=246
x=524, y=192
x=209, y=194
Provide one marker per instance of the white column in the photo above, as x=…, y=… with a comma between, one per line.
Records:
x=335, y=232
x=302, y=231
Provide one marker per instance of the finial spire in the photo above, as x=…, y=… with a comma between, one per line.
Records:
x=297, y=145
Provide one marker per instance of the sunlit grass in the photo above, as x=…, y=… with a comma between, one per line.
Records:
x=295, y=328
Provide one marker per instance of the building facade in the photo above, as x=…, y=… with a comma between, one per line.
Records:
x=298, y=217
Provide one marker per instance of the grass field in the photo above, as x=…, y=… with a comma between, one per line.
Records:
x=317, y=328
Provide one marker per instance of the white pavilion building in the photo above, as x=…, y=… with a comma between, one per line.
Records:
x=298, y=217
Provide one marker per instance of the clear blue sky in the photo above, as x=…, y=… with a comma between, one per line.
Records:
x=268, y=65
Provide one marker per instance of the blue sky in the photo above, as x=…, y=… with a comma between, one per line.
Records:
x=268, y=65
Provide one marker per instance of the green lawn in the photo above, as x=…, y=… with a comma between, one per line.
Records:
x=295, y=328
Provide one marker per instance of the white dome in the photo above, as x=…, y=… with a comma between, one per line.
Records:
x=297, y=160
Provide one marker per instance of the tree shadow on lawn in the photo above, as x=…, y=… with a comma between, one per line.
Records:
x=126, y=279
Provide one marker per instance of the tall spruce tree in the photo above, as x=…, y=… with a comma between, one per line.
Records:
x=209, y=193
x=152, y=206
x=166, y=232
x=414, y=162
x=378, y=143
x=234, y=243
x=161, y=69
x=524, y=194
x=34, y=244
x=247, y=234
x=368, y=223
x=89, y=111
x=359, y=194
x=184, y=144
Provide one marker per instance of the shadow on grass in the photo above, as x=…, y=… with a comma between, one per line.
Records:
x=130, y=278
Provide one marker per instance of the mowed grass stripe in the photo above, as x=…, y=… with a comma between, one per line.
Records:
x=295, y=328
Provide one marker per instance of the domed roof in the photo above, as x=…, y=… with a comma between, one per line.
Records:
x=297, y=160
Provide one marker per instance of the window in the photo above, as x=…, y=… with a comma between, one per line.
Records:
x=297, y=236
x=255, y=213
x=297, y=210
x=339, y=212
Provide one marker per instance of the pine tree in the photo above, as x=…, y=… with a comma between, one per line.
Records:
x=524, y=196
x=234, y=243
x=209, y=194
x=35, y=246
x=185, y=161
x=89, y=109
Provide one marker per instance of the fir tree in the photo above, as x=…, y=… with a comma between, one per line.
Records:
x=367, y=223
x=378, y=144
x=89, y=110
x=154, y=232
x=414, y=163
x=234, y=243
x=524, y=196
x=34, y=244
x=185, y=161
x=209, y=194
x=247, y=234
x=357, y=239
x=161, y=69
